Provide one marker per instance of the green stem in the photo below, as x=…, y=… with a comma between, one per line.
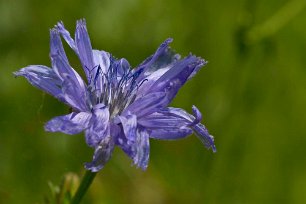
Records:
x=86, y=181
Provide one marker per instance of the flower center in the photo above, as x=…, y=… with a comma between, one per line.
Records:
x=117, y=87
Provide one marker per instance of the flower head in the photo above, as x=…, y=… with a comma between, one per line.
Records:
x=118, y=105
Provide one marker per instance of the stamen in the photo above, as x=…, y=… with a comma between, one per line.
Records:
x=117, y=88
x=142, y=83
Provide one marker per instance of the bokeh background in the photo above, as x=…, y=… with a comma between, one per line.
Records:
x=252, y=95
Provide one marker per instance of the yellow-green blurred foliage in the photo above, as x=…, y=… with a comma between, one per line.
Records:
x=252, y=95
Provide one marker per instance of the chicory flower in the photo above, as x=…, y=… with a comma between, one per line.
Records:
x=118, y=105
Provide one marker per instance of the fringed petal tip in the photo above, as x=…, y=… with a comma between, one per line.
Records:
x=205, y=62
x=202, y=133
x=61, y=28
x=26, y=71
x=66, y=35
x=142, y=167
x=141, y=164
x=81, y=23
x=18, y=73
x=213, y=147
x=59, y=24
x=200, y=60
x=54, y=30
x=207, y=139
x=210, y=144
x=138, y=148
x=200, y=63
x=23, y=73
x=167, y=41
x=141, y=158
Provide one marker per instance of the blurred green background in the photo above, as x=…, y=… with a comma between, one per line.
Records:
x=252, y=95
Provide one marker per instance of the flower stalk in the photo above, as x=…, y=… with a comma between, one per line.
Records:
x=83, y=187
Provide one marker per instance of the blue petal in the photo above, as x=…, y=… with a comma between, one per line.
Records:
x=199, y=129
x=122, y=67
x=162, y=58
x=43, y=78
x=142, y=147
x=59, y=59
x=175, y=78
x=156, y=65
x=134, y=141
x=99, y=127
x=147, y=83
x=73, y=87
x=181, y=114
x=60, y=62
x=207, y=139
x=166, y=125
x=101, y=64
x=71, y=124
x=198, y=116
x=175, y=123
x=170, y=133
x=90, y=59
x=119, y=72
x=163, y=120
x=102, y=59
x=129, y=125
x=84, y=47
x=74, y=96
x=103, y=153
x=56, y=46
x=66, y=35
x=197, y=68
x=147, y=104
x=122, y=141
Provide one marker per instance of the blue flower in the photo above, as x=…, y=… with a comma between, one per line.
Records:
x=118, y=105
